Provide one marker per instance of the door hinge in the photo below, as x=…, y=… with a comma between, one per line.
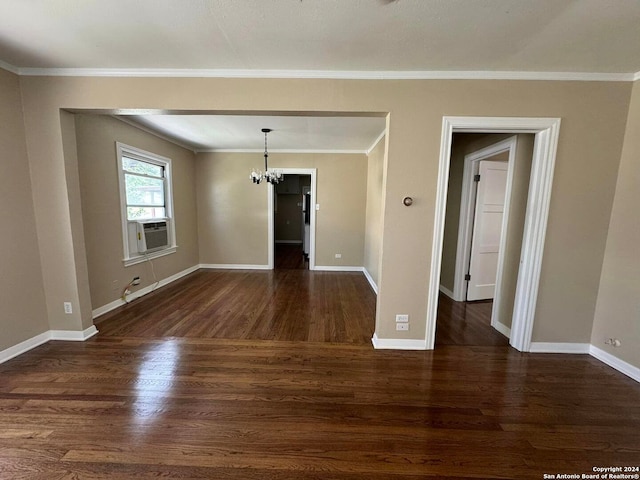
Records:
x=467, y=277
x=476, y=178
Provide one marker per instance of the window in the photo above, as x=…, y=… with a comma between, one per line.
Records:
x=145, y=196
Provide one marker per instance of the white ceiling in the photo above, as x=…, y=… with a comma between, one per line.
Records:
x=316, y=38
x=323, y=35
x=243, y=132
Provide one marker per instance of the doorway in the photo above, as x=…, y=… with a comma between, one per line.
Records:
x=545, y=132
x=292, y=220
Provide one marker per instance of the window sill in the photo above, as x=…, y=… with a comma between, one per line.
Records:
x=143, y=258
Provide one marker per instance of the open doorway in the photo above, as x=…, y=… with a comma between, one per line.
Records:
x=292, y=222
x=484, y=223
x=545, y=131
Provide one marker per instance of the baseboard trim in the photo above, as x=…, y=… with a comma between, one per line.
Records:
x=44, y=337
x=232, y=266
x=616, y=363
x=369, y=278
x=25, y=346
x=338, y=268
x=398, y=343
x=549, y=347
x=143, y=291
x=502, y=328
x=447, y=292
x=73, y=335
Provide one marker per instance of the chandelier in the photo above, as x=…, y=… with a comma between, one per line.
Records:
x=272, y=176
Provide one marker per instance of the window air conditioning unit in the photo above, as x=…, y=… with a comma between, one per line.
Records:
x=152, y=235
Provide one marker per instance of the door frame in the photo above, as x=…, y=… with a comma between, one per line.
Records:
x=546, y=132
x=312, y=219
x=465, y=227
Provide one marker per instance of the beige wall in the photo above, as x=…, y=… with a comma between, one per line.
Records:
x=22, y=301
x=96, y=136
x=618, y=308
x=593, y=119
x=373, y=228
x=232, y=211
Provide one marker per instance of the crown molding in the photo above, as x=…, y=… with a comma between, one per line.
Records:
x=325, y=74
x=293, y=150
x=10, y=68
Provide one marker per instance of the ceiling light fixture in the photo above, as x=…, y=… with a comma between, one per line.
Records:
x=272, y=176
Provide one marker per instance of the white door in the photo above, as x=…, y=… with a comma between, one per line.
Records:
x=487, y=226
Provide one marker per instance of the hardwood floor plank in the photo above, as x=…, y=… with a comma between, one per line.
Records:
x=114, y=407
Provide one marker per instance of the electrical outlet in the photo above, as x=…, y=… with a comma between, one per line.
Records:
x=68, y=309
x=338, y=255
x=402, y=327
x=135, y=281
x=402, y=318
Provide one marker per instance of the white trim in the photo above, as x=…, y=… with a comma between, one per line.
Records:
x=467, y=203
x=25, y=346
x=447, y=292
x=74, y=335
x=15, y=70
x=327, y=74
x=233, y=266
x=397, y=343
x=372, y=283
x=553, y=347
x=44, y=337
x=376, y=141
x=615, y=362
x=281, y=150
x=289, y=242
x=127, y=262
x=502, y=328
x=338, y=268
x=544, y=154
x=143, y=291
x=636, y=76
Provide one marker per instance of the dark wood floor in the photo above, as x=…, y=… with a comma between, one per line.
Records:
x=282, y=304
x=289, y=257
x=155, y=395
x=187, y=408
x=466, y=323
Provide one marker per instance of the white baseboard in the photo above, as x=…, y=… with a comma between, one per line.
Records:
x=547, y=347
x=338, y=268
x=22, y=347
x=398, y=343
x=369, y=278
x=616, y=363
x=143, y=291
x=232, y=266
x=73, y=335
x=447, y=292
x=33, y=342
x=502, y=328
